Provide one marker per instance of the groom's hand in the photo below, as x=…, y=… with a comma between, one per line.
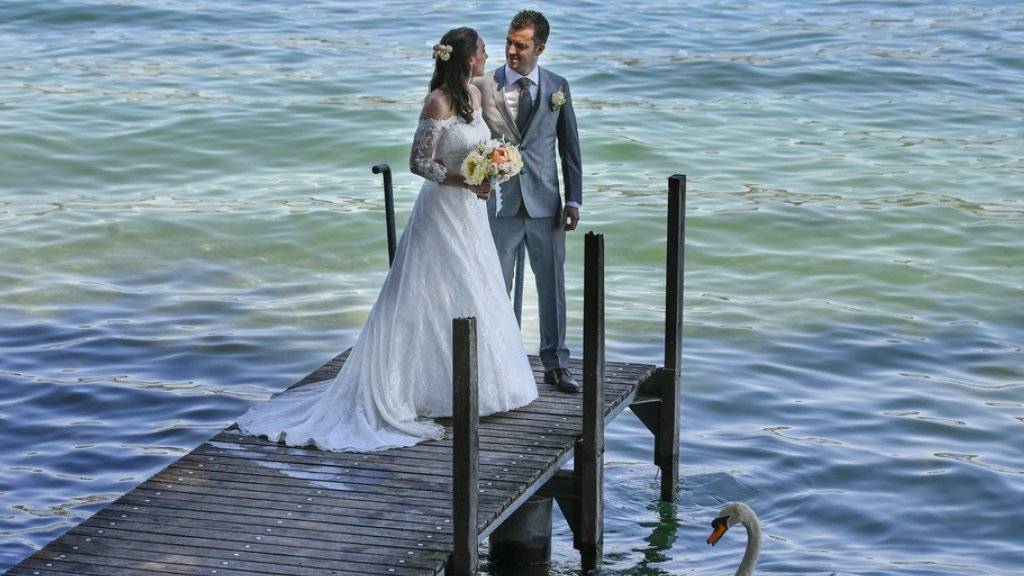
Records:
x=570, y=217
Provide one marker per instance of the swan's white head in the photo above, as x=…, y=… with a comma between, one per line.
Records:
x=731, y=514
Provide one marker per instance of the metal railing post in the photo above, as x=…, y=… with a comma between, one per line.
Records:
x=389, y=207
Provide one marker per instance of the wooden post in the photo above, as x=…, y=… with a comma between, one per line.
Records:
x=666, y=451
x=389, y=208
x=465, y=447
x=591, y=461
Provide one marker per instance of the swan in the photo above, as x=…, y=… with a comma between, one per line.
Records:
x=739, y=513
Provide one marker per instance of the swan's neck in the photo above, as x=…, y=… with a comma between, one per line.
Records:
x=753, y=548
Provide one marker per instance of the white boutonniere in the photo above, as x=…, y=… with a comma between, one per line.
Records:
x=557, y=100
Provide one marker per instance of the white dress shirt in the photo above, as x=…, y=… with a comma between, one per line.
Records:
x=512, y=88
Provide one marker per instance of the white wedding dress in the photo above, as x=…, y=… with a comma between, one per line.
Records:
x=399, y=373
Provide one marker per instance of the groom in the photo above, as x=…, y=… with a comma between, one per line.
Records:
x=531, y=107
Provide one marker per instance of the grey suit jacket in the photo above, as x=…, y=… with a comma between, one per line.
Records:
x=536, y=186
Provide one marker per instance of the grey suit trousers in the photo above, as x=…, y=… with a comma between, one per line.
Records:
x=545, y=246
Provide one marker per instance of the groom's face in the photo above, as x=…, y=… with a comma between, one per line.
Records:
x=521, y=52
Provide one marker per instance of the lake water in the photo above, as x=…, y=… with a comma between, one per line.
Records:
x=189, y=224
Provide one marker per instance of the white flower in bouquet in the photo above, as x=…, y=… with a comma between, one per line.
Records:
x=494, y=161
x=475, y=167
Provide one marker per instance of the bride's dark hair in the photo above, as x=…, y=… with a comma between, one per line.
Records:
x=451, y=75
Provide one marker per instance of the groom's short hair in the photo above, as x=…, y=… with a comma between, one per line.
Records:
x=535, y=20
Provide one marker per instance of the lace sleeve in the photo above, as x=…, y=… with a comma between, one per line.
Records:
x=424, y=143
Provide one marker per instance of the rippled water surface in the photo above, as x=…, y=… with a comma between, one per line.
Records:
x=189, y=223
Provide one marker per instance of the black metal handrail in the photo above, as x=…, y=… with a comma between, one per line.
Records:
x=389, y=207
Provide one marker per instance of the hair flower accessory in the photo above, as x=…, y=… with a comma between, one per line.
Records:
x=557, y=100
x=442, y=51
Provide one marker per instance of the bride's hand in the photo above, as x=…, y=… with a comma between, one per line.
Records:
x=482, y=190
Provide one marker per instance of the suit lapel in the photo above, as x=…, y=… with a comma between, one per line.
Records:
x=501, y=103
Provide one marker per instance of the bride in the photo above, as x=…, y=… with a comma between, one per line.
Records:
x=399, y=375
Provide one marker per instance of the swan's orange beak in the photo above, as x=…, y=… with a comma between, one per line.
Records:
x=718, y=528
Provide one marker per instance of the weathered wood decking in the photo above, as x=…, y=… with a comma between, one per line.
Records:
x=239, y=506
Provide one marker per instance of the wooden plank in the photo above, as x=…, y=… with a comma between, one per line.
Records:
x=342, y=511
x=99, y=553
x=42, y=561
x=343, y=529
x=274, y=485
x=255, y=529
x=522, y=463
x=241, y=543
x=396, y=465
x=276, y=519
x=406, y=487
x=308, y=535
x=355, y=508
x=125, y=543
x=492, y=469
x=20, y=570
x=426, y=485
x=369, y=473
x=421, y=453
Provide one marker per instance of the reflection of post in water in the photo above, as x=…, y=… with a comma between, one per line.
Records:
x=662, y=538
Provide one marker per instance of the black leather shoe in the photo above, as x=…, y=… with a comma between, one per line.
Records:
x=562, y=379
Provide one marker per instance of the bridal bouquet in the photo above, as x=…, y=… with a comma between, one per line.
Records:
x=494, y=161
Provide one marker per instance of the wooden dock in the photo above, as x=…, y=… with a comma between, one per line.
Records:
x=239, y=505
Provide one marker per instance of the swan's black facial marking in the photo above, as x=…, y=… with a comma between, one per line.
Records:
x=718, y=527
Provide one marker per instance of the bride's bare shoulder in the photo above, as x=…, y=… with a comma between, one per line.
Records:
x=436, y=106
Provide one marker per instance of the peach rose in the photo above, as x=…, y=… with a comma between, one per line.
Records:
x=499, y=156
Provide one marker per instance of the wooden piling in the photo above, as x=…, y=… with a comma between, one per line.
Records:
x=667, y=441
x=591, y=461
x=465, y=447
